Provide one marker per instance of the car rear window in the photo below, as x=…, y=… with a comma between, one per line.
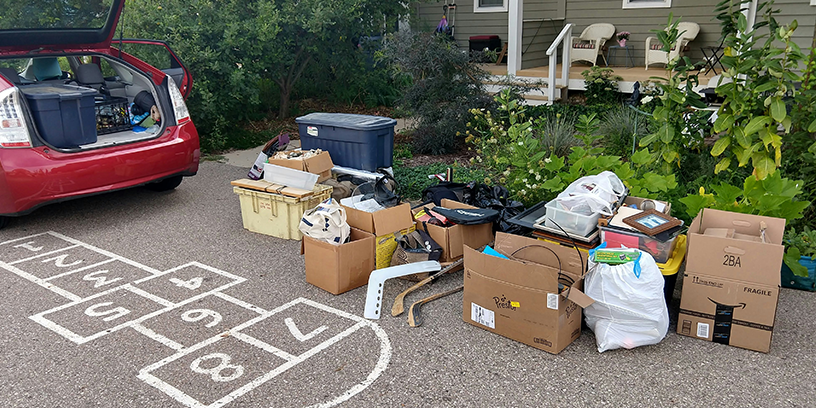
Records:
x=50, y=14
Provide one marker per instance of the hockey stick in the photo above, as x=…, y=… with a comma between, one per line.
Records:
x=399, y=301
x=415, y=311
x=377, y=278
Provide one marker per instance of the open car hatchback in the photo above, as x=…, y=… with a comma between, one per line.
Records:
x=81, y=114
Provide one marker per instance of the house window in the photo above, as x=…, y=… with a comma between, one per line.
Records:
x=489, y=6
x=633, y=4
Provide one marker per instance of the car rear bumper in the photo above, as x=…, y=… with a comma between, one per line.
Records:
x=30, y=178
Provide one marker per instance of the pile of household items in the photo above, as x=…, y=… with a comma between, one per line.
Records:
x=532, y=275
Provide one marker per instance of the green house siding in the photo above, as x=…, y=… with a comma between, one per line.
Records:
x=804, y=14
x=542, y=24
x=640, y=22
x=466, y=23
x=539, y=29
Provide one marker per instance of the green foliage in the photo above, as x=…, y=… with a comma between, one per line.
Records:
x=761, y=74
x=507, y=146
x=49, y=14
x=774, y=197
x=556, y=132
x=412, y=180
x=243, y=54
x=445, y=85
x=601, y=86
x=799, y=147
x=621, y=127
x=403, y=151
x=799, y=245
x=565, y=109
x=677, y=98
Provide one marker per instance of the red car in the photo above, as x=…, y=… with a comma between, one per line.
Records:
x=80, y=116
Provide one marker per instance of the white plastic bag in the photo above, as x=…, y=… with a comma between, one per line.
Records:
x=630, y=309
x=326, y=222
x=592, y=194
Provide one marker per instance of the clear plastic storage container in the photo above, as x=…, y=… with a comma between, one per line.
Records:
x=571, y=222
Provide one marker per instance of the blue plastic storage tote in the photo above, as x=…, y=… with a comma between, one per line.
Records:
x=64, y=114
x=789, y=280
x=358, y=141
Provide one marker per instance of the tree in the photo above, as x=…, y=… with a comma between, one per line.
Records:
x=253, y=39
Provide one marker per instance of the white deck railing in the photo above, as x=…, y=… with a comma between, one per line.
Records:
x=552, y=52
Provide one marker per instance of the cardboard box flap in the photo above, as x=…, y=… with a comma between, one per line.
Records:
x=578, y=297
x=293, y=164
x=741, y=223
x=318, y=164
x=447, y=203
x=392, y=219
x=512, y=272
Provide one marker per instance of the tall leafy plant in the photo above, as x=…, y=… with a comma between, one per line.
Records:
x=800, y=147
x=761, y=63
x=677, y=99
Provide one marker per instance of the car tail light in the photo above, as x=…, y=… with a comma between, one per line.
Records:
x=13, y=128
x=179, y=107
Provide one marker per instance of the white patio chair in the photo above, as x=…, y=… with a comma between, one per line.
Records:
x=654, y=49
x=590, y=44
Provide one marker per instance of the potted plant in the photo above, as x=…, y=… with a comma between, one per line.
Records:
x=622, y=37
x=799, y=268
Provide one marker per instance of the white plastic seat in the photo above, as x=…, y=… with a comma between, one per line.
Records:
x=590, y=44
x=654, y=49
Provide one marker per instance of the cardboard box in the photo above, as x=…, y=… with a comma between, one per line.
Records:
x=339, y=268
x=731, y=283
x=320, y=164
x=726, y=311
x=741, y=257
x=453, y=239
x=519, y=298
x=383, y=224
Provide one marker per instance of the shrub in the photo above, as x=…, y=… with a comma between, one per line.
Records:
x=601, y=86
x=445, y=85
x=242, y=53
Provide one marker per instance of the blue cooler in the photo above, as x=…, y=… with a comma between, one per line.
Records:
x=64, y=114
x=358, y=141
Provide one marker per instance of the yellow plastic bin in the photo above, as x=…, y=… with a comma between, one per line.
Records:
x=672, y=266
x=276, y=214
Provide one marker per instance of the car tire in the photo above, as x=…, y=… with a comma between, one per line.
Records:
x=166, y=184
x=3, y=222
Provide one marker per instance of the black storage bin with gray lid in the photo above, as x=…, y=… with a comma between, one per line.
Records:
x=64, y=114
x=358, y=141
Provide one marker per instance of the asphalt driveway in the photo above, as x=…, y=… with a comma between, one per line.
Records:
x=147, y=299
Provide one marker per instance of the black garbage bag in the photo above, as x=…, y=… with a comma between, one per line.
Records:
x=497, y=198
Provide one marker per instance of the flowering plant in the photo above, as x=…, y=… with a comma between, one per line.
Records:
x=623, y=35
